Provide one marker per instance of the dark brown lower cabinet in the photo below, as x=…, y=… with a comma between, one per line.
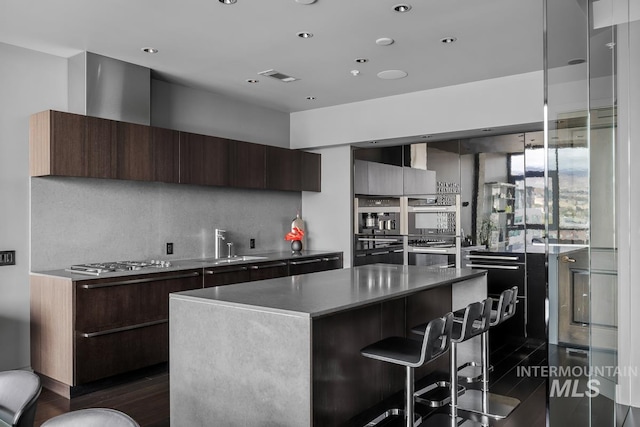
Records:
x=226, y=275
x=93, y=329
x=315, y=264
x=269, y=270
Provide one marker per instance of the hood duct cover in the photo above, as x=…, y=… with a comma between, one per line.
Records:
x=108, y=88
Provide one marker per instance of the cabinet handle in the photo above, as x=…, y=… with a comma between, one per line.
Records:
x=489, y=257
x=335, y=258
x=494, y=267
x=429, y=250
x=124, y=328
x=307, y=261
x=135, y=281
x=258, y=267
x=398, y=250
x=379, y=253
x=231, y=270
x=566, y=258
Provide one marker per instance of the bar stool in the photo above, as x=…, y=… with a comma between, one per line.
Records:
x=481, y=401
x=474, y=322
x=411, y=354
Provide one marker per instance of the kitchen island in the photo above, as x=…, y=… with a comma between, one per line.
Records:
x=286, y=351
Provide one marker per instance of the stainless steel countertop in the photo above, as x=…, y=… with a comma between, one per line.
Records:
x=186, y=264
x=319, y=294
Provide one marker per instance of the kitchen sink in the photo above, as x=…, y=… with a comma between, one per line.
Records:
x=232, y=259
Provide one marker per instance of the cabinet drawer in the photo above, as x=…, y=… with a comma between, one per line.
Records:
x=226, y=275
x=312, y=265
x=104, y=305
x=268, y=270
x=102, y=356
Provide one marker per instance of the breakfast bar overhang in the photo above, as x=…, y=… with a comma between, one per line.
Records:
x=286, y=351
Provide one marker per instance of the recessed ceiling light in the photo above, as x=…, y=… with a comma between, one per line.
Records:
x=305, y=1
x=402, y=8
x=447, y=40
x=392, y=74
x=361, y=60
x=305, y=35
x=384, y=41
x=576, y=61
x=311, y=98
x=355, y=73
x=227, y=1
x=252, y=81
x=149, y=50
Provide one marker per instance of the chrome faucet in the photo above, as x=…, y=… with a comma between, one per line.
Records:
x=219, y=237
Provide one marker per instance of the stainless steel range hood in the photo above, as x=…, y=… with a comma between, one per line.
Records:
x=109, y=88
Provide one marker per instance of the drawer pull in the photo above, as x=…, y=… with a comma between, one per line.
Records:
x=135, y=281
x=494, y=267
x=124, y=328
x=335, y=258
x=496, y=257
x=258, y=267
x=230, y=270
x=307, y=261
x=380, y=253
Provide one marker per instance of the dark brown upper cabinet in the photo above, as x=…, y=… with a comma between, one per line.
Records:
x=204, y=160
x=133, y=152
x=165, y=154
x=56, y=144
x=283, y=169
x=65, y=144
x=247, y=165
x=310, y=173
x=100, y=148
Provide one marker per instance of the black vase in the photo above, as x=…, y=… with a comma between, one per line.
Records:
x=296, y=246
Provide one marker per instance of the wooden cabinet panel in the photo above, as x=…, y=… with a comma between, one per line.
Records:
x=269, y=270
x=229, y=275
x=106, y=355
x=133, y=147
x=283, y=169
x=204, y=160
x=165, y=152
x=247, y=164
x=100, y=148
x=56, y=144
x=315, y=264
x=120, y=302
x=311, y=171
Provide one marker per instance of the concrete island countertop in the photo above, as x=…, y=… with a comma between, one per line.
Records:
x=324, y=293
x=189, y=264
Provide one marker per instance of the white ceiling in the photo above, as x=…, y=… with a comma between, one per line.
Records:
x=206, y=44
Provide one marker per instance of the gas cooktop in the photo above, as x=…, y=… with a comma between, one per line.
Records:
x=95, y=269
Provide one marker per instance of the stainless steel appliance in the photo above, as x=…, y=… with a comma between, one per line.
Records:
x=376, y=215
x=98, y=268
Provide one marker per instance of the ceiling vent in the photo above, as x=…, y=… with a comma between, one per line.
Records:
x=278, y=75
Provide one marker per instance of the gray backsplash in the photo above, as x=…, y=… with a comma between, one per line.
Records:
x=80, y=220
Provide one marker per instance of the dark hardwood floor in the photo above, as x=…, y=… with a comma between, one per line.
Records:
x=146, y=399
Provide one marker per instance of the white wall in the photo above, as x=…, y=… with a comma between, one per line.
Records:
x=191, y=110
x=497, y=102
x=327, y=214
x=29, y=82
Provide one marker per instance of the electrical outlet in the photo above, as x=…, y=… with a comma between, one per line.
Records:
x=169, y=248
x=252, y=243
x=8, y=258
